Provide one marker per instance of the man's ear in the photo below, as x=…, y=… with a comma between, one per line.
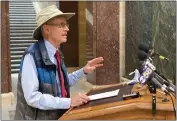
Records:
x=45, y=29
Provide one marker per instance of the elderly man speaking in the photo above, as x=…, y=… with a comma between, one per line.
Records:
x=43, y=86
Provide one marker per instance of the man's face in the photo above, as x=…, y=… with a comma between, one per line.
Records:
x=57, y=29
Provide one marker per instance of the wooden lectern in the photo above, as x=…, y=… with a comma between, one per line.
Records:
x=113, y=108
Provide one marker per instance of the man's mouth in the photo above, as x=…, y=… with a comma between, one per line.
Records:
x=64, y=35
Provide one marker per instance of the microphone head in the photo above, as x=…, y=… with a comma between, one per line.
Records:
x=144, y=48
x=142, y=55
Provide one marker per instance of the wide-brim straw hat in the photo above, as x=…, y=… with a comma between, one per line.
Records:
x=46, y=14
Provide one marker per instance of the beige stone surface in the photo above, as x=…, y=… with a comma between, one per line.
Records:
x=8, y=99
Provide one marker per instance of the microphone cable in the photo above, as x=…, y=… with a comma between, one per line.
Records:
x=173, y=93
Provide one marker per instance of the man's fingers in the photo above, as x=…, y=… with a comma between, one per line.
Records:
x=96, y=60
x=81, y=102
x=84, y=97
x=84, y=100
x=79, y=99
x=98, y=65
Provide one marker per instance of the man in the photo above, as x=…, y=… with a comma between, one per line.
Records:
x=43, y=85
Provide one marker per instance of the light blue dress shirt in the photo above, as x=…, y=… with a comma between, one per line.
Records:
x=30, y=83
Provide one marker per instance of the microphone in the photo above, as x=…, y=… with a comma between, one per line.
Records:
x=147, y=71
x=144, y=48
x=163, y=80
x=159, y=85
x=160, y=56
x=142, y=55
x=149, y=75
x=135, y=78
x=149, y=50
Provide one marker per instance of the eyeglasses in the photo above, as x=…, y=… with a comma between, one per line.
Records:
x=61, y=25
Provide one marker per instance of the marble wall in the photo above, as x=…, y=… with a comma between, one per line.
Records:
x=103, y=40
x=153, y=22
x=138, y=30
x=5, y=51
x=164, y=37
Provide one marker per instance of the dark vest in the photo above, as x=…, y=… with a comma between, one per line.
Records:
x=47, y=85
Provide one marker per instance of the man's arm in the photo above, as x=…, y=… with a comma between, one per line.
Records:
x=75, y=76
x=88, y=68
x=30, y=86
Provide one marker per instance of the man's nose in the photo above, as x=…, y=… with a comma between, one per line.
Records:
x=66, y=28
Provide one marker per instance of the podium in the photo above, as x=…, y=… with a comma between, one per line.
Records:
x=115, y=108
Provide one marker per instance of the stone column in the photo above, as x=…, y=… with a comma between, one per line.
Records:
x=5, y=49
x=102, y=27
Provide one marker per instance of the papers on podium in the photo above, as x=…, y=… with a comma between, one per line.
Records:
x=104, y=95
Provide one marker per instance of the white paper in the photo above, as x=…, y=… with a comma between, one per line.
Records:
x=104, y=95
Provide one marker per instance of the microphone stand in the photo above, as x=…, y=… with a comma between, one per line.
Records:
x=152, y=89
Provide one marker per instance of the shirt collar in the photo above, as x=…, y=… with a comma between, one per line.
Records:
x=50, y=48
